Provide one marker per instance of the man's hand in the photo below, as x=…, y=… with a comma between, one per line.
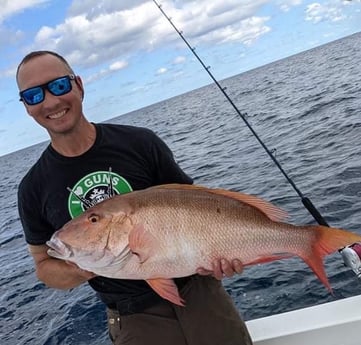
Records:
x=222, y=268
x=57, y=273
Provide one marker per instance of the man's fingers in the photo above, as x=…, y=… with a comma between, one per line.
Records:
x=222, y=268
x=217, y=269
x=204, y=272
x=227, y=268
x=237, y=266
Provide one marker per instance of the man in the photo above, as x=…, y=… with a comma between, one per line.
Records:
x=86, y=163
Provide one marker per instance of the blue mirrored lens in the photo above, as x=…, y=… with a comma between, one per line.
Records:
x=57, y=87
x=33, y=96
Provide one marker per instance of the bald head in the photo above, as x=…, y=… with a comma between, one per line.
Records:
x=38, y=53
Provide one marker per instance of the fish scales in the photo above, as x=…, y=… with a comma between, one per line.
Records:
x=203, y=227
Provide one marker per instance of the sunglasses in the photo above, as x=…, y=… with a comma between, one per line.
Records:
x=56, y=87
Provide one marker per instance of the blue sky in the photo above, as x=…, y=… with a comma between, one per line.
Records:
x=129, y=56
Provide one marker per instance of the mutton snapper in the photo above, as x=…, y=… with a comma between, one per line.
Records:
x=169, y=231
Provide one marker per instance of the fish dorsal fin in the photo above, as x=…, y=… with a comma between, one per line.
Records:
x=271, y=211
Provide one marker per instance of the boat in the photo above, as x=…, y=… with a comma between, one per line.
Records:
x=331, y=323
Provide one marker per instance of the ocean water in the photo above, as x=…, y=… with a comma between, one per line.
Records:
x=306, y=108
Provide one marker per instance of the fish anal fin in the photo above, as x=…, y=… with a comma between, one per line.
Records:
x=269, y=258
x=167, y=289
x=142, y=243
x=271, y=211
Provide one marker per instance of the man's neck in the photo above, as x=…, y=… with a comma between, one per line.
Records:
x=75, y=142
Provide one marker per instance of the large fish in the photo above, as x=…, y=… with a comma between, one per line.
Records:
x=169, y=231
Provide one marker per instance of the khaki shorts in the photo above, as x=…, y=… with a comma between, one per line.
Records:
x=209, y=318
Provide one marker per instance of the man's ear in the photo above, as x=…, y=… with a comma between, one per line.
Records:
x=79, y=83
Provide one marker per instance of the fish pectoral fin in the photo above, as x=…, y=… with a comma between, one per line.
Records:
x=167, y=289
x=142, y=243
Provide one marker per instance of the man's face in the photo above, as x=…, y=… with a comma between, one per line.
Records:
x=57, y=114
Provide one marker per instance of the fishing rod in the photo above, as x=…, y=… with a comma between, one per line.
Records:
x=306, y=201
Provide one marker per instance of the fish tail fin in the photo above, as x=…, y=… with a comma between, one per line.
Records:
x=328, y=240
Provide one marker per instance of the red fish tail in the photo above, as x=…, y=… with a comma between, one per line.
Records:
x=328, y=240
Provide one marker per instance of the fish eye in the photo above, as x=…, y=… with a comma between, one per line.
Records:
x=93, y=218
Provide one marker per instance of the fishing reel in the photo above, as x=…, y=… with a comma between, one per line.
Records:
x=351, y=256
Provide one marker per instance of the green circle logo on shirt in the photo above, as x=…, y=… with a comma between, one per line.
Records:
x=94, y=188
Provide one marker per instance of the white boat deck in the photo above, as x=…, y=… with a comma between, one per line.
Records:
x=333, y=323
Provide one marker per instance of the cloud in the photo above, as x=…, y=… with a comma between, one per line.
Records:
x=285, y=5
x=162, y=70
x=317, y=12
x=11, y=7
x=89, y=41
x=94, y=8
x=99, y=31
x=246, y=32
x=179, y=60
x=114, y=67
x=205, y=17
x=8, y=36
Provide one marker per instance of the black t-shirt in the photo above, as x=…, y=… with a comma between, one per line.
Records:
x=58, y=188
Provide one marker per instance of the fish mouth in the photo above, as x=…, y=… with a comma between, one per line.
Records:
x=58, y=249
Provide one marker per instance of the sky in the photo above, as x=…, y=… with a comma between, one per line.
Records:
x=129, y=56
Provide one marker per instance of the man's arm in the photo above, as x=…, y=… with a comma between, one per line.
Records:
x=57, y=273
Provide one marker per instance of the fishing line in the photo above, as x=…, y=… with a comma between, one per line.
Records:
x=306, y=201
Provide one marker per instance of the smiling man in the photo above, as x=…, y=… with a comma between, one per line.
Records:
x=86, y=163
